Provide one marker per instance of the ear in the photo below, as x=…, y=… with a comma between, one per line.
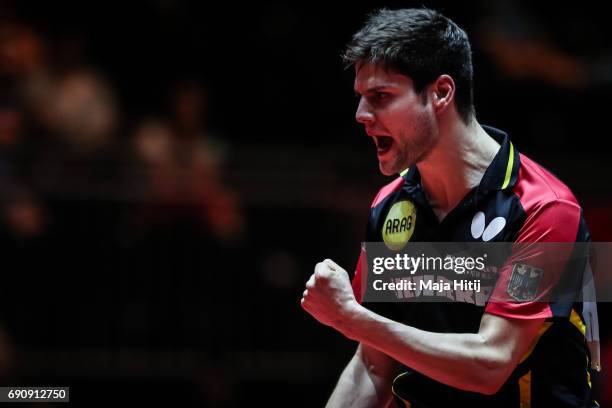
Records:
x=442, y=93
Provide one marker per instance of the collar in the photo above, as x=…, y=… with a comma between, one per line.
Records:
x=501, y=174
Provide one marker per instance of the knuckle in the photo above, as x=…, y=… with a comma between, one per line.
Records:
x=321, y=276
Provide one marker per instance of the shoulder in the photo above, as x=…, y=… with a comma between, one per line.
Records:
x=387, y=190
x=537, y=186
x=552, y=212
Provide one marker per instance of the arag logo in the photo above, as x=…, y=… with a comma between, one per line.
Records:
x=399, y=225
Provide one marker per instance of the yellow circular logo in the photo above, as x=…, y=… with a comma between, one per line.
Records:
x=399, y=225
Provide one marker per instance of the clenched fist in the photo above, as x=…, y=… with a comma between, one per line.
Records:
x=329, y=296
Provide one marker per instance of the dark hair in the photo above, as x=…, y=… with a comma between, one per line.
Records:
x=419, y=43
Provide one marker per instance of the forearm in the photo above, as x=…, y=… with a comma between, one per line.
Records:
x=362, y=384
x=479, y=362
x=465, y=361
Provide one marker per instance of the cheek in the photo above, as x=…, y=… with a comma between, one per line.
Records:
x=405, y=121
x=395, y=118
x=407, y=111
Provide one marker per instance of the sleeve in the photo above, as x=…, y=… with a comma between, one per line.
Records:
x=541, y=255
x=360, y=269
x=357, y=281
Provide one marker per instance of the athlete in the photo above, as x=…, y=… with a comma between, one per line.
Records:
x=459, y=181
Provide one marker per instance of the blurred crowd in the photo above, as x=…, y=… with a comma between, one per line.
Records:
x=62, y=132
x=107, y=223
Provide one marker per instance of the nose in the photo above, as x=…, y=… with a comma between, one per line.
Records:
x=364, y=112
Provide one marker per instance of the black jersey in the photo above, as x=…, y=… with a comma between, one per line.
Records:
x=517, y=201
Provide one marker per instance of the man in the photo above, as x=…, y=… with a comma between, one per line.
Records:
x=466, y=183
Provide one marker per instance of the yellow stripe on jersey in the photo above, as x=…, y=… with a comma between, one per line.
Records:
x=525, y=390
x=509, y=167
x=579, y=324
x=577, y=321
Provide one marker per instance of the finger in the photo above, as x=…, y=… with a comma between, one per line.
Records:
x=321, y=267
x=311, y=281
x=322, y=271
x=332, y=265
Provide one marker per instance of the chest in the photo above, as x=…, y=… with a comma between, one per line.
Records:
x=406, y=216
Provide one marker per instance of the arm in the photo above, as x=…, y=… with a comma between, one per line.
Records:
x=479, y=362
x=366, y=380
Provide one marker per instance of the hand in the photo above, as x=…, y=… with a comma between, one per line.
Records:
x=329, y=295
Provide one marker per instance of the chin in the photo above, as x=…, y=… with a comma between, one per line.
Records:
x=387, y=170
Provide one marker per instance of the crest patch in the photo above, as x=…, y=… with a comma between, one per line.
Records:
x=524, y=282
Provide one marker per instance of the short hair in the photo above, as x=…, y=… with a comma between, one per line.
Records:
x=421, y=44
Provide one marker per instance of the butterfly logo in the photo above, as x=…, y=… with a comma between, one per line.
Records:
x=487, y=232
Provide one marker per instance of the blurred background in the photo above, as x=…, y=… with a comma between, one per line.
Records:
x=170, y=173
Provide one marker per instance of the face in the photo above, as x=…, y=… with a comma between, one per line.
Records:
x=400, y=121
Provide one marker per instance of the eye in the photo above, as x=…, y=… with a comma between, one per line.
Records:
x=381, y=96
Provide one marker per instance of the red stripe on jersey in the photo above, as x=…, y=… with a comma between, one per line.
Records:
x=536, y=185
x=361, y=267
x=552, y=215
x=386, y=190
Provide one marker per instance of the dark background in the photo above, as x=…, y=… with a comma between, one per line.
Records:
x=170, y=173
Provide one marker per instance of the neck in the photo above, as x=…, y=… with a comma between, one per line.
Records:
x=456, y=164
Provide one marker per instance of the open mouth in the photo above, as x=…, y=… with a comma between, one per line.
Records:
x=383, y=144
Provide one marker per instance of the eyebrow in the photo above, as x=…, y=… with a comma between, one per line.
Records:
x=372, y=89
